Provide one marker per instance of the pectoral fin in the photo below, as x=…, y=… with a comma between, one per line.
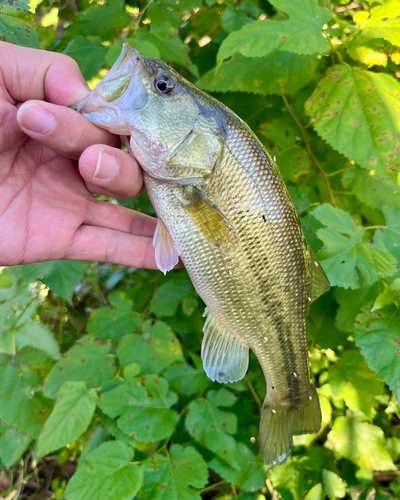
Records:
x=209, y=220
x=167, y=255
x=225, y=359
x=319, y=281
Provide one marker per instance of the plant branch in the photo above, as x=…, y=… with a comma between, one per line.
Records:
x=253, y=391
x=213, y=486
x=308, y=148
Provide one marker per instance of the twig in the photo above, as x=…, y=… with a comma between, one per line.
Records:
x=253, y=391
x=140, y=17
x=213, y=486
x=309, y=150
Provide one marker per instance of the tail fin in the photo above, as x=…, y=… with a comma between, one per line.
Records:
x=280, y=423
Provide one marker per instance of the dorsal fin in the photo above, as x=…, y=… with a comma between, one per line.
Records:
x=225, y=359
x=319, y=281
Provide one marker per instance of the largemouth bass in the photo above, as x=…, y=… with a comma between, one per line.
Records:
x=224, y=208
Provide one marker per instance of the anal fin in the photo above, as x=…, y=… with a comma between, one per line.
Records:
x=225, y=359
x=167, y=255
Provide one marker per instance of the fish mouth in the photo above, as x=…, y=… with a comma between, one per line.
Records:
x=119, y=90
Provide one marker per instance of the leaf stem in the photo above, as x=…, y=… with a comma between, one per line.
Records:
x=375, y=227
x=140, y=17
x=308, y=148
x=213, y=486
x=253, y=391
x=340, y=171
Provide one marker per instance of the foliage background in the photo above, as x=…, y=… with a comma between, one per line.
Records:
x=102, y=392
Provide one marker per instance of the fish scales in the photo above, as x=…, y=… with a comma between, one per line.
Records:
x=224, y=208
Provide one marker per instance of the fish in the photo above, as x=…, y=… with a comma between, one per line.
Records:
x=224, y=209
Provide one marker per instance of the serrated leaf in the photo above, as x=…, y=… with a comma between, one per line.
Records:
x=380, y=23
x=356, y=112
x=87, y=361
x=173, y=477
x=300, y=34
x=106, y=474
x=274, y=74
x=145, y=48
x=18, y=31
x=61, y=276
x=90, y=56
x=143, y=408
x=20, y=406
x=35, y=334
x=116, y=321
x=34, y=365
x=360, y=442
x=250, y=476
x=348, y=261
x=13, y=445
x=378, y=336
x=372, y=189
x=70, y=417
x=233, y=19
x=289, y=480
x=352, y=380
x=154, y=350
x=211, y=427
x=334, y=485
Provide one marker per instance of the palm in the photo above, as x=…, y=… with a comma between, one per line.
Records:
x=43, y=201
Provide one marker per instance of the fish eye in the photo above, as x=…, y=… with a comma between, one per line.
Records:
x=164, y=85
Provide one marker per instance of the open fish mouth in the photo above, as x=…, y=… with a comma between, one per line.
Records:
x=120, y=89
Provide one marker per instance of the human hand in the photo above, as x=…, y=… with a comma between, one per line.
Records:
x=46, y=210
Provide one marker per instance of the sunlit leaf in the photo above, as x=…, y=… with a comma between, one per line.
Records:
x=356, y=112
x=70, y=417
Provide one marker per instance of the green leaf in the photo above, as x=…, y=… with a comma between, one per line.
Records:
x=168, y=296
x=143, y=408
x=356, y=112
x=154, y=350
x=71, y=416
x=378, y=335
x=211, y=427
x=8, y=284
x=233, y=19
x=274, y=74
x=145, y=48
x=372, y=189
x=116, y=321
x=187, y=379
x=390, y=295
x=101, y=20
x=360, y=442
x=334, y=485
x=289, y=480
x=106, y=474
x=388, y=237
x=380, y=23
x=20, y=407
x=250, y=476
x=300, y=34
x=352, y=380
x=61, y=276
x=316, y=493
x=90, y=56
x=348, y=261
x=18, y=31
x=13, y=445
x=35, y=334
x=373, y=52
x=88, y=361
x=172, y=477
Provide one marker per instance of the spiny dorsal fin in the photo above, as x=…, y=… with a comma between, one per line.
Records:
x=167, y=255
x=225, y=359
x=209, y=220
x=319, y=281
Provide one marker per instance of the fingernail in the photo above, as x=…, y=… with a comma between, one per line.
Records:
x=107, y=166
x=35, y=118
